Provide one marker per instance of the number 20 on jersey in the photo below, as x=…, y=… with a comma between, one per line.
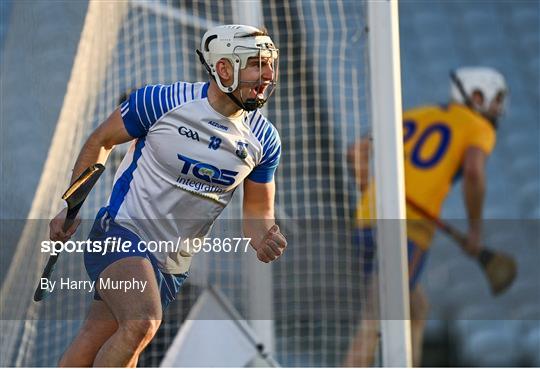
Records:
x=411, y=131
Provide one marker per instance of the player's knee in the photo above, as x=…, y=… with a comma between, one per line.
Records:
x=140, y=331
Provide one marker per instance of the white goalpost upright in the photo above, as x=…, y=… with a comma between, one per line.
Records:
x=337, y=81
x=390, y=184
x=260, y=289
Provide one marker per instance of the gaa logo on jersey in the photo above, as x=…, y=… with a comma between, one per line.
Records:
x=241, y=149
x=194, y=135
x=207, y=172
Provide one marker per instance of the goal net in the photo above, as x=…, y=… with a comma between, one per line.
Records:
x=316, y=290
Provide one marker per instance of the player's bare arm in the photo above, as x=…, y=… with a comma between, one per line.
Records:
x=96, y=149
x=99, y=144
x=259, y=222
x=473, y=193
x=358, y=156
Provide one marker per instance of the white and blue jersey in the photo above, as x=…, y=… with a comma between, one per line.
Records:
x=183, y=167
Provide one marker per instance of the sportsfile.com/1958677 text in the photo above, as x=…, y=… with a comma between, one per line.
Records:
x=117, y=244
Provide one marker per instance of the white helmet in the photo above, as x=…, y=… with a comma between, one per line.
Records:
x=467, y=80
x=235, y=43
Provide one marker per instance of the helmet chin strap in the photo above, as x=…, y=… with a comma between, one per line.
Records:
x=249, y=104
x=494, y=121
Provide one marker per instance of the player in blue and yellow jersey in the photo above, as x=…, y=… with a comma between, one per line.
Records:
x=192, y=145
x=441, y=144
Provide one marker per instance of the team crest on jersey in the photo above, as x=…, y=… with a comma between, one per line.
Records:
x=241, y=149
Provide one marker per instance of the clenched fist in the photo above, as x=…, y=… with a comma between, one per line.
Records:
x=271, y=246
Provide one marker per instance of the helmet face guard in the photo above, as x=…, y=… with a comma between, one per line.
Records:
x=237, y=44
x=267, y=55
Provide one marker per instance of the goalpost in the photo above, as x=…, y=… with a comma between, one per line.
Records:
x=339, y=74
x=389, y=177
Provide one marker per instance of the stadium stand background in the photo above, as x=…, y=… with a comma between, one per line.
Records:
x=468, y=327
x=38, y=41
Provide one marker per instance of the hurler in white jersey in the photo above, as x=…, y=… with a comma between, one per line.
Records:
x=187, y=156
x=193, y=144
